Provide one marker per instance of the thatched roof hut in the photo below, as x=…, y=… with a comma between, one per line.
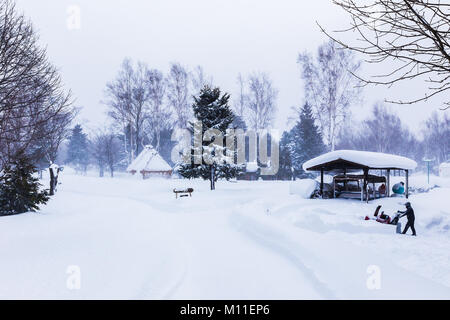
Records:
x=150, y=164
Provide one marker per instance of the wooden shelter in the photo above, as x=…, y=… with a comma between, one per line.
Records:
x=347, y=161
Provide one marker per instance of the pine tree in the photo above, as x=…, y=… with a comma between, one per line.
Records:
x=306, y=141
x=19, y=189
x=211, y=109
x=285, y=168
x=78, y=152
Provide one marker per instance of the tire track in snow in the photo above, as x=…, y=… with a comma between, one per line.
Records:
x=177, y=284
x=279, y=243
x=167, y=291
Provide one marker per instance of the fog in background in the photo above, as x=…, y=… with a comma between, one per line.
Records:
x=224, y=37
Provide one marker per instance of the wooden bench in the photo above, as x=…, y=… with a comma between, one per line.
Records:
x=183, y=193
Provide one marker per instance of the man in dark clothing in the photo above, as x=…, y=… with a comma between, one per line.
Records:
x=409, y=213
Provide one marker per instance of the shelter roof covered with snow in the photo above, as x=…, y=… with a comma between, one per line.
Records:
x=353, y=159
x=149, y=160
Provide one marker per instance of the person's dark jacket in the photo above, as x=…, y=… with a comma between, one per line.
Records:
x=409, y=213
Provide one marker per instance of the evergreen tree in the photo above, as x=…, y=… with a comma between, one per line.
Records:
x=239, y=124
x=285, y=168
x=306, y=141
x=78, y=152
x=19, y=188
x=211, y=109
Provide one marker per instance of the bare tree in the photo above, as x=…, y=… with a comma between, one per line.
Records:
x=383, y=132
x=128, y=99
x=35, y=110
x=97, y=146
x=119, y=101
x=260, y=101
x=141, y=103
x=105, y=149
x=410, y=36
x=51, y=136
x=178, y=94
x=112, y=152
x=160, y=117
x=200, y=79
x=241, y=102
x=437, y=137
x=330, y=87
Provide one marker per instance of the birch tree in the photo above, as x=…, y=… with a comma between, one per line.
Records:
x=330, y=87
x=128, y=100
x=160, y=116
x=260, y=101
x=178, y=94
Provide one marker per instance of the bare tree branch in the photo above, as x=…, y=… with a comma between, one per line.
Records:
x=411, y=35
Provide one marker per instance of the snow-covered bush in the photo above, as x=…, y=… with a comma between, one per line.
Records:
x=20, y=189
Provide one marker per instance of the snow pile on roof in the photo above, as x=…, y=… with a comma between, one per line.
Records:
x=149, y=160
x=374, y=160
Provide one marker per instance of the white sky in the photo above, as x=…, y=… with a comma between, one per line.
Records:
x=225, y=37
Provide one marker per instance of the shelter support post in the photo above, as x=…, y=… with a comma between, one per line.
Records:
x=374, y=192
x=407, y=184
x=334, y=188
x=366, y=173
x=388, y=182
x=321, y=182
x=362, y=191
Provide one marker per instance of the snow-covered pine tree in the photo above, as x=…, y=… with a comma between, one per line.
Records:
x=285, y=168
x=78, y=152
x=306, y=142
x=211, y=109
x=19, y=188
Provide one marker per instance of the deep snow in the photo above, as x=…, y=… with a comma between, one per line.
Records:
x=246, y=240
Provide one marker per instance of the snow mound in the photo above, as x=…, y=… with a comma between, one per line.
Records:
x=374, y=160
x=444, y=170
x=304, y=188
x=252, y=167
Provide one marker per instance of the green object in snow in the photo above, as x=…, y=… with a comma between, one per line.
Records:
x=398, y=188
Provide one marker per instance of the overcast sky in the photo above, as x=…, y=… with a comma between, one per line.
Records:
x=225, y=37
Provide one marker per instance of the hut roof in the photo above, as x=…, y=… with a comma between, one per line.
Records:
x=353, y=159
x=149, y=160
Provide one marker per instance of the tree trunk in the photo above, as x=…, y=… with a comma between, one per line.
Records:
x=137, y=138
x=212, y=178
x=52, y=182
x=131, y=143
x=125, y=145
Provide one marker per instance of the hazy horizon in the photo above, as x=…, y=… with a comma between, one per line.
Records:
x=242, y=37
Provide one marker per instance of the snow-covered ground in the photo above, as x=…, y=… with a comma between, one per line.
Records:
x=130, y=238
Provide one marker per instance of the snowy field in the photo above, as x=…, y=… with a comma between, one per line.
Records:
x=131, y=239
